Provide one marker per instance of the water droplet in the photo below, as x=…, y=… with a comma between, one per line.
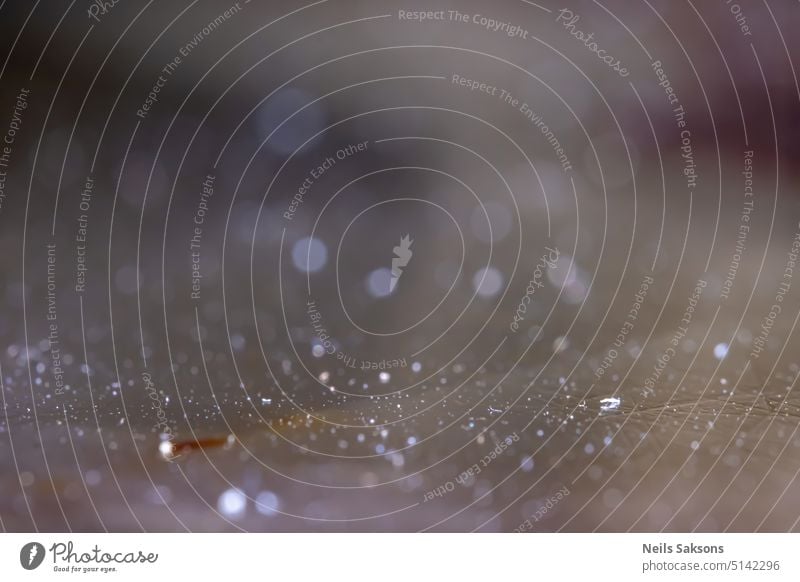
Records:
x=610, y=403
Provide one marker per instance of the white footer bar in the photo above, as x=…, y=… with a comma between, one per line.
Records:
x=400, y=557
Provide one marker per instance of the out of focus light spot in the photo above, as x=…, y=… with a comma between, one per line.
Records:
x=499, y=218
x=267, y=503
x=309, y=255
x=527, y=464
x=569, y=276
x=232, y=503
x=92, y=478
x=560, y=344
x=299, y=128
x=165, y=448
x=26, y=478
x=720, y=351
x=487, y=282
x=238, y=342
x=378, y=282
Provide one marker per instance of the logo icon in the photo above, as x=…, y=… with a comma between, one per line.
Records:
x=31, y=555
x=402, y=255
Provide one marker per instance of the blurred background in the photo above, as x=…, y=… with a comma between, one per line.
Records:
x=376, y=266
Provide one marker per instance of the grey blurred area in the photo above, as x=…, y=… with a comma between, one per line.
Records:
x=374, y=266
